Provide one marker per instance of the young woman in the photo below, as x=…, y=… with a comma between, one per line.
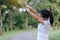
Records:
x=45, y=19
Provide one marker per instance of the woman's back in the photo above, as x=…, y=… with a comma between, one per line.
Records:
x=43, y=30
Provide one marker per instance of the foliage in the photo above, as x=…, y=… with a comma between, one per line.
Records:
x=18, y=19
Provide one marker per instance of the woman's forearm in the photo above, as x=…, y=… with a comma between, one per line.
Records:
x=36, y=17
x=34, y=11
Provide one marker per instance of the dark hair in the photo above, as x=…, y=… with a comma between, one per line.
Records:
x=47, y=14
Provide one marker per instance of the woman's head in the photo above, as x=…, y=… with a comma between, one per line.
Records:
x=47, y=14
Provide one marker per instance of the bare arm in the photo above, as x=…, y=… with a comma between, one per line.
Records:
x=33, y=14
x=34, y=11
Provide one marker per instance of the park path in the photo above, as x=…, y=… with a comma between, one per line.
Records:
x=28, y=35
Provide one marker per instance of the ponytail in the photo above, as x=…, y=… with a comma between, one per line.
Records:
x=51, y=18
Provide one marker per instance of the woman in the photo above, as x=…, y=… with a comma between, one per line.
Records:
x=45, y=19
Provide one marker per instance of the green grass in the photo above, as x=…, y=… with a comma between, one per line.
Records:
x=53, y=34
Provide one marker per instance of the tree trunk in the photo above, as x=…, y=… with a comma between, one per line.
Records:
x=11, y=22
x=26, y=21
x=0, y=23
x=57, y=22
x=54, y=1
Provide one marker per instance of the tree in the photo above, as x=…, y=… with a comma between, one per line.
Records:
x=17, y=4
x=0, y=22
x=1, y=3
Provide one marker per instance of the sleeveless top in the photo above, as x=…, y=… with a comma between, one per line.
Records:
x=43, y=30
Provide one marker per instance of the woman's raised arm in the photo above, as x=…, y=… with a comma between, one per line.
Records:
x=34, y=14
x=34, y=11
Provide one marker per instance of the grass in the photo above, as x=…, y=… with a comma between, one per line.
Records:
x=53, y=35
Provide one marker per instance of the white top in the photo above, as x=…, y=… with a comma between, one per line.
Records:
x=43, y=30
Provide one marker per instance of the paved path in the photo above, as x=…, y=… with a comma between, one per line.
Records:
x=25, y=36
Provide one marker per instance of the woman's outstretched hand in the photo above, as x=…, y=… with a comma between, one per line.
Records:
x=28, y=7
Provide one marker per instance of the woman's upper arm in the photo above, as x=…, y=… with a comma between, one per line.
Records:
x=47, y=22
x=40, y=20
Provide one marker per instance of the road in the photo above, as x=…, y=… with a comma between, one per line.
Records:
x=30, y=35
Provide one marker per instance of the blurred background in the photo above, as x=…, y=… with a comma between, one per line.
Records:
x=15, y=19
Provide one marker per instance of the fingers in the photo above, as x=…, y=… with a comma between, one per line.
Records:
x=28, y=6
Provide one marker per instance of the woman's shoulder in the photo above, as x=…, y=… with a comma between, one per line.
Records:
x=47, y=22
